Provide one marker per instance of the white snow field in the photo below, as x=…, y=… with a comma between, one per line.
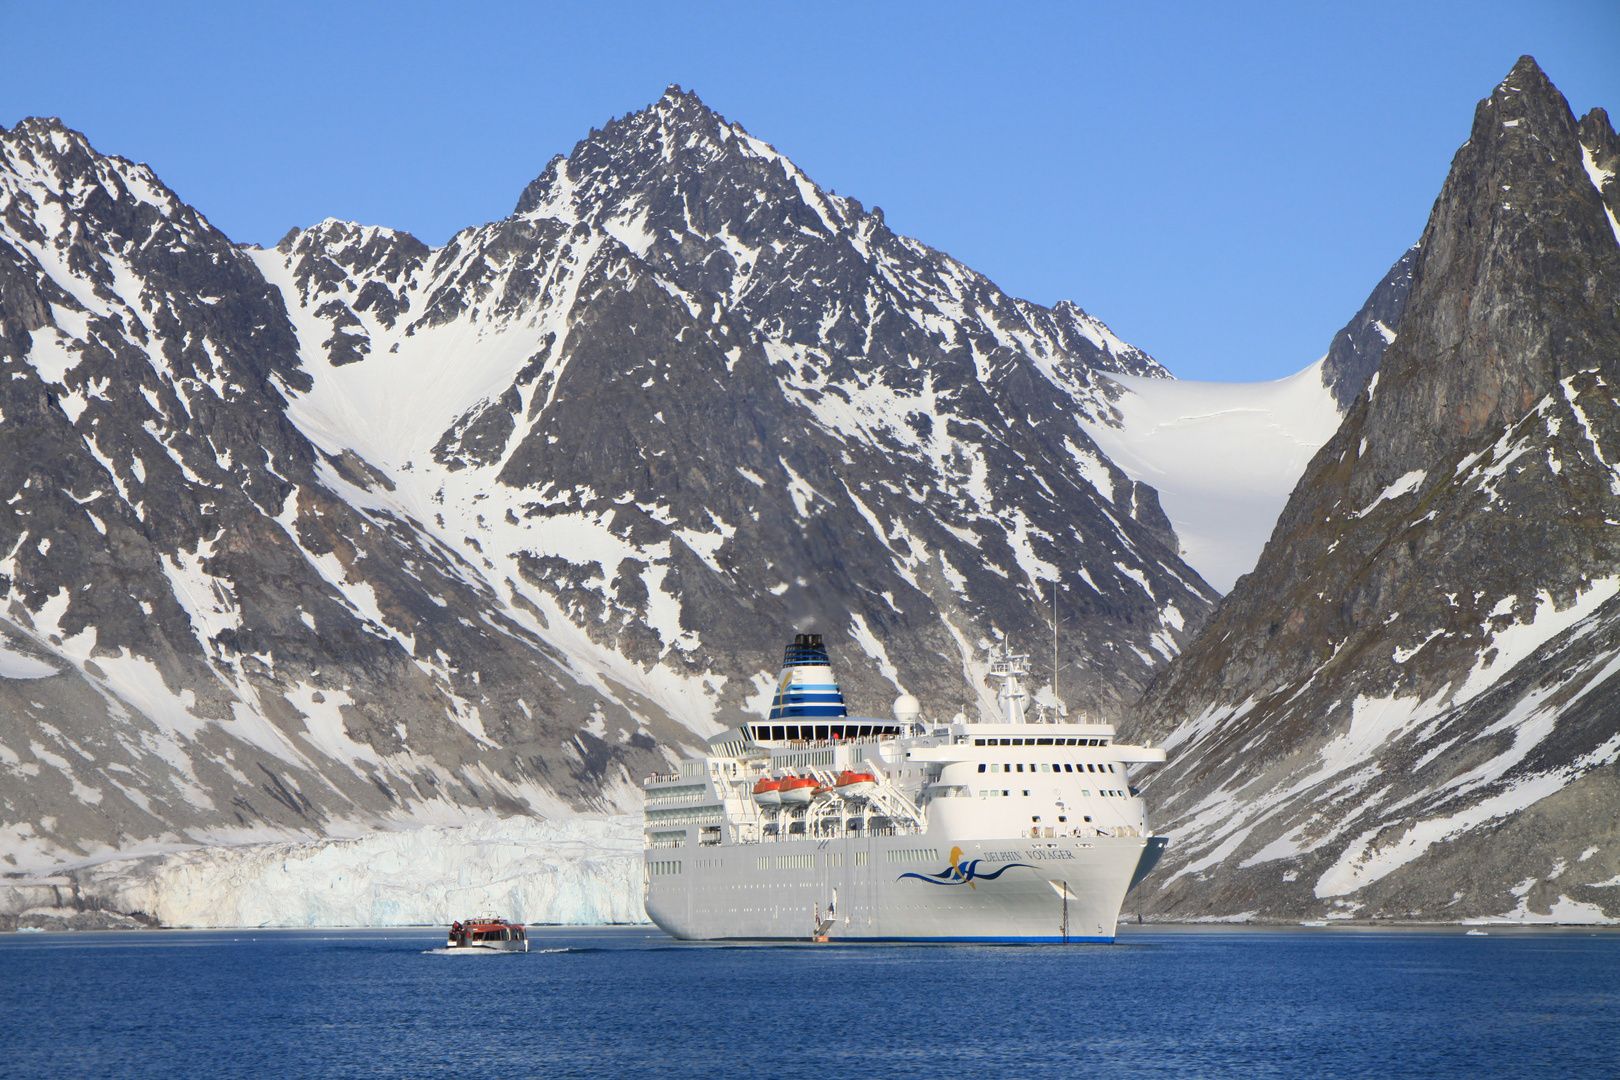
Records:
x=1224, y=457
x=583, y=870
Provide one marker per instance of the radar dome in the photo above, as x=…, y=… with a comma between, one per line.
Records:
x=907, y=709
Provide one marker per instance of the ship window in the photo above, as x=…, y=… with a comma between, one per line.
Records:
x=793, y=731
x=1043, y=742
x=821, y=731
x=1018, y=742
x=1004, y=742
x=1110, y=768
x=981, y=766
x=978, y=742
x=1067, y=767
x=1071, y=742
x=1026, y=793
x=1020, y=766
x=1091, y=768
x=1045, y=767
x=778, y=732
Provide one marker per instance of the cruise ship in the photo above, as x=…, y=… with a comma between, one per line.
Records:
x=815, y=825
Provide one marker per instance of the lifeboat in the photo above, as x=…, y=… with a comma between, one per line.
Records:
x=798, y=790
x=488, y=933
x=855, y=785
x=768, y=792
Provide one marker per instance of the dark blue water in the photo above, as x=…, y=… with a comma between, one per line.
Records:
x=1338, y=1002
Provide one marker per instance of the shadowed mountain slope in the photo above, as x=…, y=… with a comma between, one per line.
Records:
x=1408, y=709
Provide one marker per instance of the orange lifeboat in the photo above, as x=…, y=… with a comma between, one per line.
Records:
x=856, y=785
x=798, y=790
x=768, y=792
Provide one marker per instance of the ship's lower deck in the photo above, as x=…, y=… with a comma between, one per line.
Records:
x=916, y=887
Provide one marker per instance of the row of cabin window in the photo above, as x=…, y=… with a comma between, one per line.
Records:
x=1110, y=794
x=1040, y=742
x=514, y=933
x=822, y=732
x=1045, y=767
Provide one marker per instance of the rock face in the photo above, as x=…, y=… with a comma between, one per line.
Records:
x=1409, y=709
x=358, y=532
x=1358, y=348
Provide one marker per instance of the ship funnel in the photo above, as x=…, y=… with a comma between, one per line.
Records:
x=806, y=686
x=808, y=706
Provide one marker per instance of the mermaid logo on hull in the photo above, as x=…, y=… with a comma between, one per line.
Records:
x=960, y=872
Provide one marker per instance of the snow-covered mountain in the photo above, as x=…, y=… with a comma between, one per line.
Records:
x=1224, y=457
x=356, y=532
x=1409, y=709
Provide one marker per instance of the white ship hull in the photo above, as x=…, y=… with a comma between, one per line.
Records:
x=1014, y=890
x=962, y=831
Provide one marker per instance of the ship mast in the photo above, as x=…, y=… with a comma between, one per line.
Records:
x=1056, y=700
x=1009, y=666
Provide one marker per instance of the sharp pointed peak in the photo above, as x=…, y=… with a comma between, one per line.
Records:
x=684, y=106
x=1525, y=78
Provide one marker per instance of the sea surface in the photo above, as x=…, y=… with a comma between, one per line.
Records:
x=628, y=1002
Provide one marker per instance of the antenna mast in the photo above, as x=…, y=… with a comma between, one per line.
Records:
x=1055, y=698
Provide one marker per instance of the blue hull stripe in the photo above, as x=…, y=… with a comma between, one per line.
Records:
x=1074, y=939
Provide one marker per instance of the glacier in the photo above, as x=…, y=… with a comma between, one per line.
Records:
x=1223, y=456
x=581, y=870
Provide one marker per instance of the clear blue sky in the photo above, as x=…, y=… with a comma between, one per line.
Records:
x=1221, y=183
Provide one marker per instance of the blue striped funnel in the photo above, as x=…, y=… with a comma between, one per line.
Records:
x=807, y=686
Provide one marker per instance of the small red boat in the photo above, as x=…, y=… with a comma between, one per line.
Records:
x=768, y=792
x=488, y=932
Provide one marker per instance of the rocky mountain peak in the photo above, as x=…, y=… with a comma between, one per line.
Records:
x=1420, y=654
x=1359, y=347
x=354, y=530
x=1517, y=236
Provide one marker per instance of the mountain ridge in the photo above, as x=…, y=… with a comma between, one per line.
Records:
x=354, y=532
x=1415, y=682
